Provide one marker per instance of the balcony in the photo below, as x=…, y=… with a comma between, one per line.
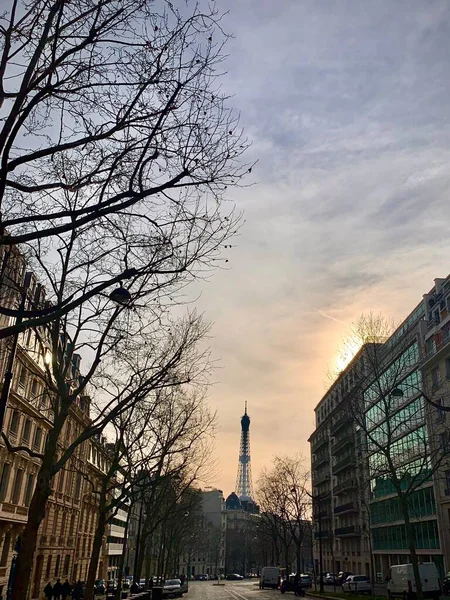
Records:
x=323, y=514
x=349, y=531
x=342, y=443
x=439, y=349
x=322, y=534
x=346, y=508
x=114, y=549
x=321, y=478
x=348, y=461
x=316, y=444
x=320, y=460
x=341, y=422
x=347, y=484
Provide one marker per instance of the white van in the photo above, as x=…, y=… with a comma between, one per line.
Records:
x=401, y=581
x=270, y=577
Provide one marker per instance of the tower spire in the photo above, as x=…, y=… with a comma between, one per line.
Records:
x=244, y=486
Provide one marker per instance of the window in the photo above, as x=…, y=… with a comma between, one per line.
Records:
x=49, y=567
x=66, y=564
x=5, y=550
x=26, y=431
x=17, y=487
x=14, y=423
x=58, y=559
x=28, y=490
x=69, y=481
x=4, y=481
x=436, y=377
x=22, y=378
x=37, y=439
x=34, y=388
x=72, y=525
x=447, y=368
x=76, y=492
x=61, y=480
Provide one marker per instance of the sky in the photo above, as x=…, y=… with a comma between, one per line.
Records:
x=347, y=105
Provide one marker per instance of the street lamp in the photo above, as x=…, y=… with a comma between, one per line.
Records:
x=397, y=393
x=120, y=295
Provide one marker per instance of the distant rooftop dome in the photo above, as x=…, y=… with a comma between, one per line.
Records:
x=233, y=502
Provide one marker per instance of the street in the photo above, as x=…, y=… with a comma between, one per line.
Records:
x=230, y=590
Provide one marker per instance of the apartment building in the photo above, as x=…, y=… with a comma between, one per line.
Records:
x=207, y=553
x=357, y=504
x=395, y=405
x=339, y=475
x=65, y=536
x=435, y=331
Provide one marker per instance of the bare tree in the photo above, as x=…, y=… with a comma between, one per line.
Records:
x=286, y=504
x=389, y=408
x=117, y=146
x=124, y=378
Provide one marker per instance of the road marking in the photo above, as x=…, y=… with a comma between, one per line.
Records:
x=237, y=594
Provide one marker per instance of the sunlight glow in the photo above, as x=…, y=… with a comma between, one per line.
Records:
x=345, y=354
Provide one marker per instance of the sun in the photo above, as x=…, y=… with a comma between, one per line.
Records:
x=346, y=354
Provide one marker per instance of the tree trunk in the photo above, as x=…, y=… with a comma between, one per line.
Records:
x=412, y=546
x=36, y=514
x=299, y=552
x=96, y=549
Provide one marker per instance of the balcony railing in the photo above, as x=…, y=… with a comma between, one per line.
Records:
x=344, y=420
x=350, y=530
x=321, y=478
x=347, y=507
x=322, y=534
x=316, y=444
x=319, y=460
x=344, y=441
x=348, y=461
x=441, y=339
x=347, y=484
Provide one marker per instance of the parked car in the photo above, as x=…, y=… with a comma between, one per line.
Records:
x=202, y=577
x=234, y=577
x=322, y=576
x=172, y=588
x=99, y=586
x=330, y=579
x=446, y=585
x=111, y=585
x=359, y=584
x=270, y=577
x=305, y=580
x=288, y=585
x=401, y=581
x=342, y=576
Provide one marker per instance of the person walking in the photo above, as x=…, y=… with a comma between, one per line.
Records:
x=66, y=589
x=57, y=590
x=48, y=591
x=297, y=584
x=77, y=592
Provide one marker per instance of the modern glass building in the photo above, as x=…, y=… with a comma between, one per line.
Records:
x=398, y=441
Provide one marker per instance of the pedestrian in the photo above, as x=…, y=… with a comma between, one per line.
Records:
x=57, y=590
x=297, y=584
x=66, y=589
x=48, y=591
x=77, y=592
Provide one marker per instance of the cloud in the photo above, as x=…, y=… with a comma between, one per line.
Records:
x=347, y=106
